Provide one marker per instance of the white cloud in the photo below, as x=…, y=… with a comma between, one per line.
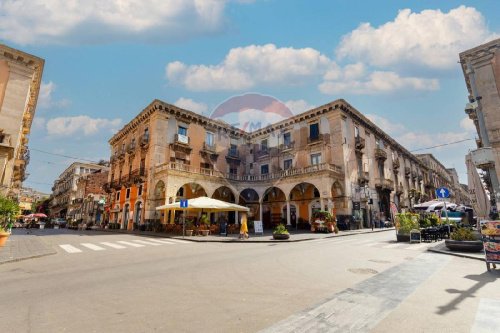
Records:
x=90, y=21
x=246, y=67
x=468, y=125
x=190, y=105
x=390, y=127
x=430, y=38
x=38, y=122
x=67, y=126
x=298, y=106
x=351, y=81
x=45, y=99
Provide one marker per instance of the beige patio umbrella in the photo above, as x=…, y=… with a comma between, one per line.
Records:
x=206, y=204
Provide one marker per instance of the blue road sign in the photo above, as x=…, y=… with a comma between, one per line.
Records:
x=442, y=192
x=184, y=203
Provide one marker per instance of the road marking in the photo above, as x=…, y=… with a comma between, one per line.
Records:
x=371, y=244
x=114, y=246
x=161, y=241
x=130, y=244
x=70, y=248
x=169, y=241
x=146, y=242
x=93, y=246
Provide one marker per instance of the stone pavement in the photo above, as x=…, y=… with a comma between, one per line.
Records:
x=441, y=248
x=21, y=246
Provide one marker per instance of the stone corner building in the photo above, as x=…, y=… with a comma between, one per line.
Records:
x=20, y=78
x=329, y=158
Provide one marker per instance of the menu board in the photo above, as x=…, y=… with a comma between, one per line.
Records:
x=257, y=226
x=490, y=231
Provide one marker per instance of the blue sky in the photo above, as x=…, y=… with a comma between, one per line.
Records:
x=106, y=60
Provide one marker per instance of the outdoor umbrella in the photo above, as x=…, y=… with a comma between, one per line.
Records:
x=206, y=204
x=39, y=215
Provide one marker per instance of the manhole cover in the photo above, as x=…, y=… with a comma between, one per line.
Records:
x=362, y=271
x=380, y=261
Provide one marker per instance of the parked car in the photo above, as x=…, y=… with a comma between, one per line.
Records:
x=60, y=222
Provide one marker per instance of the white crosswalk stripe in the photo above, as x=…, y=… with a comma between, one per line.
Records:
x=392, y=246
x=131, y=244
x=146, y=242
x=70, y=248
x=93, y=246
x=169, y=241
x=114, y=246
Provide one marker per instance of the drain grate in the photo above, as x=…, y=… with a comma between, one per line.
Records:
x=362, y=271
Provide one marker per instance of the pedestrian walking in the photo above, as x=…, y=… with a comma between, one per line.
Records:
x=243, y=227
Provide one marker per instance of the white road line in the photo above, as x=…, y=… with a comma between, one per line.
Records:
x=130, y=244
x=161, y=241
x=371, y=244
x=391, y=246
x=92, y=246
x=146, y=242
x=114, y=246
x=70, y=248
x=416, y=247
x=170, y=240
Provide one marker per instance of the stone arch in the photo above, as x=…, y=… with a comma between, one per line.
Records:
x=224, y=193
x=190, y=191
x=250, y=198
x=138, y=212
x=303, y=195
x=272, y=202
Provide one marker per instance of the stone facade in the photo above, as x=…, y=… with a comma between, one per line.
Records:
x=88, y=206
x=20, y=77
x=481, y=68
x=329, y=158
x=64, y=191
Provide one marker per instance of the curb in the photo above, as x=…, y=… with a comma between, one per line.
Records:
x=26, y=258
x=461, y=255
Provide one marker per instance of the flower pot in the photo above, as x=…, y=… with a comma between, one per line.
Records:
x=204, y=232
x=3, y=238
x=281, y=236
x=464, y=246
x=42, y=226
x=56, y=226
x=403, y=237
x=189, y=232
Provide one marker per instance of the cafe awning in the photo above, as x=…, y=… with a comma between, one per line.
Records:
x=206, y=204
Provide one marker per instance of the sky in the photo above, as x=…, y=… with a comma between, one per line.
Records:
x=106, y=60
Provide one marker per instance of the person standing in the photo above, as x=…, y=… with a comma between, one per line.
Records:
x=243, y=227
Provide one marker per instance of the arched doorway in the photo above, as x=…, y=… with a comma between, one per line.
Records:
x=190, y=191
x=125, y=216
x=250, y=198
x=224, y=193
x=303, y=196
x=272, y=201
x=138, y=213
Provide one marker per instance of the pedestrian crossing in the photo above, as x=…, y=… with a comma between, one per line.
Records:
x=371, y=243
x=119, y=245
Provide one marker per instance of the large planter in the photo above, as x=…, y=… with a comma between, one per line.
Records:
x=464, y=246
x=281, y=236
x=205, y=232
x=403, y=237
x=189, y=232
x=3, y=238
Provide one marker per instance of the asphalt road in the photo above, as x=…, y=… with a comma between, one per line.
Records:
x=125, y=283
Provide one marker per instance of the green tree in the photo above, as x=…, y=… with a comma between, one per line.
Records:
x=8, y=210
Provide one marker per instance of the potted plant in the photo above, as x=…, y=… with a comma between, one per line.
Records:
x=405, y=222
x=189, y=227
x=8, y=209
x=280, y=232
x=204, y=225
x=464, y=240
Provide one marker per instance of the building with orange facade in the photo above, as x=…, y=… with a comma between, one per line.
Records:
x=329, y=158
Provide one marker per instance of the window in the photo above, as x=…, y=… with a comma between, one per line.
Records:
x=264, y=169
x=287, y=164
x=139, y=191
x=233, y=169
x=127, y=194
x=182, y=130
x=263, y=145
x=356, y=131
x=117, y=195
x=209, y=139
x=287, y=139
x=316, y=159
x=233, y=150
x=251, y=165
x=314, y=131
x=142, y=169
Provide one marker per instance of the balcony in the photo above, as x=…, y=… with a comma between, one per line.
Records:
x=384, y=184
x=363, y=178
x=138, y=176
x=262, y=152
x=287, y=146
x=310, y=170
x=380, y=154
x=131, y=147
x=359, y=143
x=209, y=147
x=144, y=141
x=233, y=155
x=321, y=138
x=120, y=154
x=407, y=171
x=182, y=139
x=399, y=189
x=395, y=164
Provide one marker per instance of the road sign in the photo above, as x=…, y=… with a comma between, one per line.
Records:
x=184, y=203
x=442, y=192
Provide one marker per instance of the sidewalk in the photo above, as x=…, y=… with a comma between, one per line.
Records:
x=21, y=246
x=441, y=248
x=266, y=237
